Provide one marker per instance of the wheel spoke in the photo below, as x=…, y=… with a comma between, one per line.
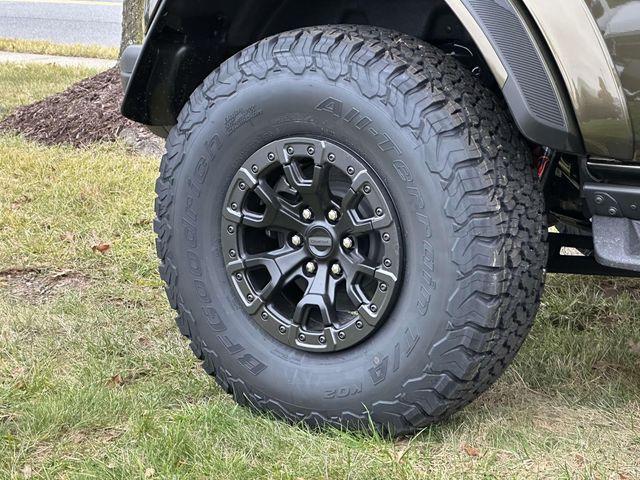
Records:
x=279, y=214
x=314, y=191
x=282, y=264
x=320, y=293
x=351, y=223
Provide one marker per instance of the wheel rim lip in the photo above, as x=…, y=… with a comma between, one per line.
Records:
x=368, y=318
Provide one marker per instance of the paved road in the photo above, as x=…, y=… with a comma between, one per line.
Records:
x=93, y=22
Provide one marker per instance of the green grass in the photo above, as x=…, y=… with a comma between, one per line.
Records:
x=26, y=83
x=96, y=382
x=49, y=48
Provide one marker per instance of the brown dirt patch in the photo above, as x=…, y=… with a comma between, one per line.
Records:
x=38, y=287
x=85, y=113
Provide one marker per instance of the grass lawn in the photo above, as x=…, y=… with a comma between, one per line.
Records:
x=96, y=382
x=48, y=48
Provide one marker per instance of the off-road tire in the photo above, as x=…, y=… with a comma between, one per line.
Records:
x=462, y=180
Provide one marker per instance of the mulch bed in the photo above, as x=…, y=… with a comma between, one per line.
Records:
x=85, y=113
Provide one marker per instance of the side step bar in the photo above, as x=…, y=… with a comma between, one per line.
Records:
x=615, y=223
x=579, y=265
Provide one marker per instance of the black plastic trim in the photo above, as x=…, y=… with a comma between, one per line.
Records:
x=534, y=90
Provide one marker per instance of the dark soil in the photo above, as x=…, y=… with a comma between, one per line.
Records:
x=85, y=113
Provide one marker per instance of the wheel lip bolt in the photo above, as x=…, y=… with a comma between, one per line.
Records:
x=348, y=243
x=234, y=206
x=254, y=168
x=307, y=214
x=271, y=156
x=383, y=287
x=232, y=253
x=242, y=185
x=302, y=337
x=351, y=170
x=387, y=262
x=379, y=212
x=366, y=189
x=373, y=307
x=359, y=324
x=239, y=277
x=333, y=215
x=322, y=339
x=311, y=268
x=336, y=269
x=290, y=150
x=230, y=229
x=296, y=240
x=342, y=335
x=331, y=157
x=282, y=329
x=250, y=297
x=264, y=315
x=311, y=150
x=386, y=237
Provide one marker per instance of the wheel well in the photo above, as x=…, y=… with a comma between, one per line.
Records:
x=194, y=38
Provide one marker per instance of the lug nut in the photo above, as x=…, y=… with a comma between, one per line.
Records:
x=333, y=215
x=336, y=269
x=307, y=214
x=347, y=242
x=310, y=267
x=296, y=240
x=311, y=150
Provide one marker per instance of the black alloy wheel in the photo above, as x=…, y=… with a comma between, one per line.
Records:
x=309, y=244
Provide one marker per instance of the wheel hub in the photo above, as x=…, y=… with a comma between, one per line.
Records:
x=312, y=244
x=320, y=241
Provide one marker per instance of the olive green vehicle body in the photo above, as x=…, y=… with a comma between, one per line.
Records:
x=619, y=24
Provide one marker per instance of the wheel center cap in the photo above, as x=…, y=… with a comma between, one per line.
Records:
x=320, y=241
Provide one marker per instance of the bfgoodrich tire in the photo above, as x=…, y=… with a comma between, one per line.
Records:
x=466, y=214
